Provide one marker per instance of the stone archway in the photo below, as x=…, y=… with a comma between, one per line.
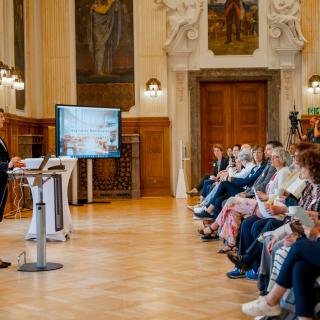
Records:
x=273, y=83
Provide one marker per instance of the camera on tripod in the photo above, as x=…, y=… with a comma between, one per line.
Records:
x=295, y=127
x=293, y=117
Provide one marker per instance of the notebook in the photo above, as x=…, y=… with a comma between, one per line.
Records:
x=261, y=205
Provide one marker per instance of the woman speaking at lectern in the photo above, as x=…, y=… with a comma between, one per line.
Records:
x=5, y=164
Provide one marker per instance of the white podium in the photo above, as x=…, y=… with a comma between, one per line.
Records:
x=48, y=199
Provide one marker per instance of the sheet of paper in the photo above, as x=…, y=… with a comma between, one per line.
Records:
x=304, y=218
x=262, y=207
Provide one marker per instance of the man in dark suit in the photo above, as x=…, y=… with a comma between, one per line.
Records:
x=5, y=164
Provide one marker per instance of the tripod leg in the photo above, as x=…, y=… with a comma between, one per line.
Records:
x=289, y=142
x=299, y=129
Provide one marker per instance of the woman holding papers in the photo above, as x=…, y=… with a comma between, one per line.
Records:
x=301, y=266
x=237, y=208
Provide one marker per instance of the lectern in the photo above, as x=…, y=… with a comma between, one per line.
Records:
x=40, y=178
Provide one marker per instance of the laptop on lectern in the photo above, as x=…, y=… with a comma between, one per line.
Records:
x=41, y=165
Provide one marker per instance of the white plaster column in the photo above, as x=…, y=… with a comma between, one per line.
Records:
x=2, y=48
x=7, y=97
x=286, y=102
x=152, y=59
x=57, y=55
x=33, y=67
x=311, y=51
x=179, y=116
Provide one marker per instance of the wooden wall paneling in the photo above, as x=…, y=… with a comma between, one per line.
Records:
x=154, y=156
x=15, y=126
x=154, y=147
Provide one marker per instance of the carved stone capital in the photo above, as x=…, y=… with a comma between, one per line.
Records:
x=276, y=30
x=284, y=25
x=183, y=22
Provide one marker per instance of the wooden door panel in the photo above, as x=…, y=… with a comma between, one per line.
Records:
x=249, y=111
x=231, y=113
x=215, y=107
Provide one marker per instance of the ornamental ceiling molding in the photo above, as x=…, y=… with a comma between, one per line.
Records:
x=183, y=23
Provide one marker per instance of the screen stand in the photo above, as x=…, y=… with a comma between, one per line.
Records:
x=89, y=181
x=75, y=184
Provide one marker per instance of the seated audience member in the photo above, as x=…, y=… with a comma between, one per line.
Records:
x=259, y=185
x=219, y=164
x=236, y=208
x=277, y=243
x=229, y=154
x=299, y=271
x=302, y=264
x=245, y=146
x=292, y=149
x=313, y=133
x=235, y=185
x=221, y=174
x=245, y=161
x=235, y=165
x=5, y=164
x=250, y=249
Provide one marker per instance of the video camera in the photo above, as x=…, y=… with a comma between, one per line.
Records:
x=293, y=117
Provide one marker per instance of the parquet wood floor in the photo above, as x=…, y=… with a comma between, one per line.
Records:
x=135, y=259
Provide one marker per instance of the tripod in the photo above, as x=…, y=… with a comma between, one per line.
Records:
x=295, y=131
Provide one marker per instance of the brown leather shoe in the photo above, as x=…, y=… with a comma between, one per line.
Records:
x=193, y=192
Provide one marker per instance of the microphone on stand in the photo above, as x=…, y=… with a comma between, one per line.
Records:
x=58, y=167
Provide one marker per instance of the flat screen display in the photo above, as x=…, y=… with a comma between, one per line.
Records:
x=88, y=132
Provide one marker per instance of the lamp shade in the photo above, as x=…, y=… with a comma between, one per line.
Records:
x=153, y=87
x=314, y=84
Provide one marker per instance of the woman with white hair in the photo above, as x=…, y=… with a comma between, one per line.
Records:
x=236, y=208
x=212, y=209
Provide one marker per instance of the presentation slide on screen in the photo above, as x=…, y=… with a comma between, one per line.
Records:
x=89, y=132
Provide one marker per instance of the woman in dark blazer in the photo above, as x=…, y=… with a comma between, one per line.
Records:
x=5, y=164
x=219, y=164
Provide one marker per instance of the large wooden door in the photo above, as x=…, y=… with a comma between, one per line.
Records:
x=232, y=112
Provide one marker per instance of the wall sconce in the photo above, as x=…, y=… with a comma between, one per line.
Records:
x=314, y=84
x=153, y=88
x=10, y=78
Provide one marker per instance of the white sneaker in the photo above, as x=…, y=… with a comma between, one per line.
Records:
x=199, y=209
x=260, y=307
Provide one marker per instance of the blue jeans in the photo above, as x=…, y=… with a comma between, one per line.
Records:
x=299, y=270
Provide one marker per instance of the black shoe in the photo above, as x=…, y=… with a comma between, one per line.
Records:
x=3, y=265
x=202, y=215
x=209, y=237
x=237, y=261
